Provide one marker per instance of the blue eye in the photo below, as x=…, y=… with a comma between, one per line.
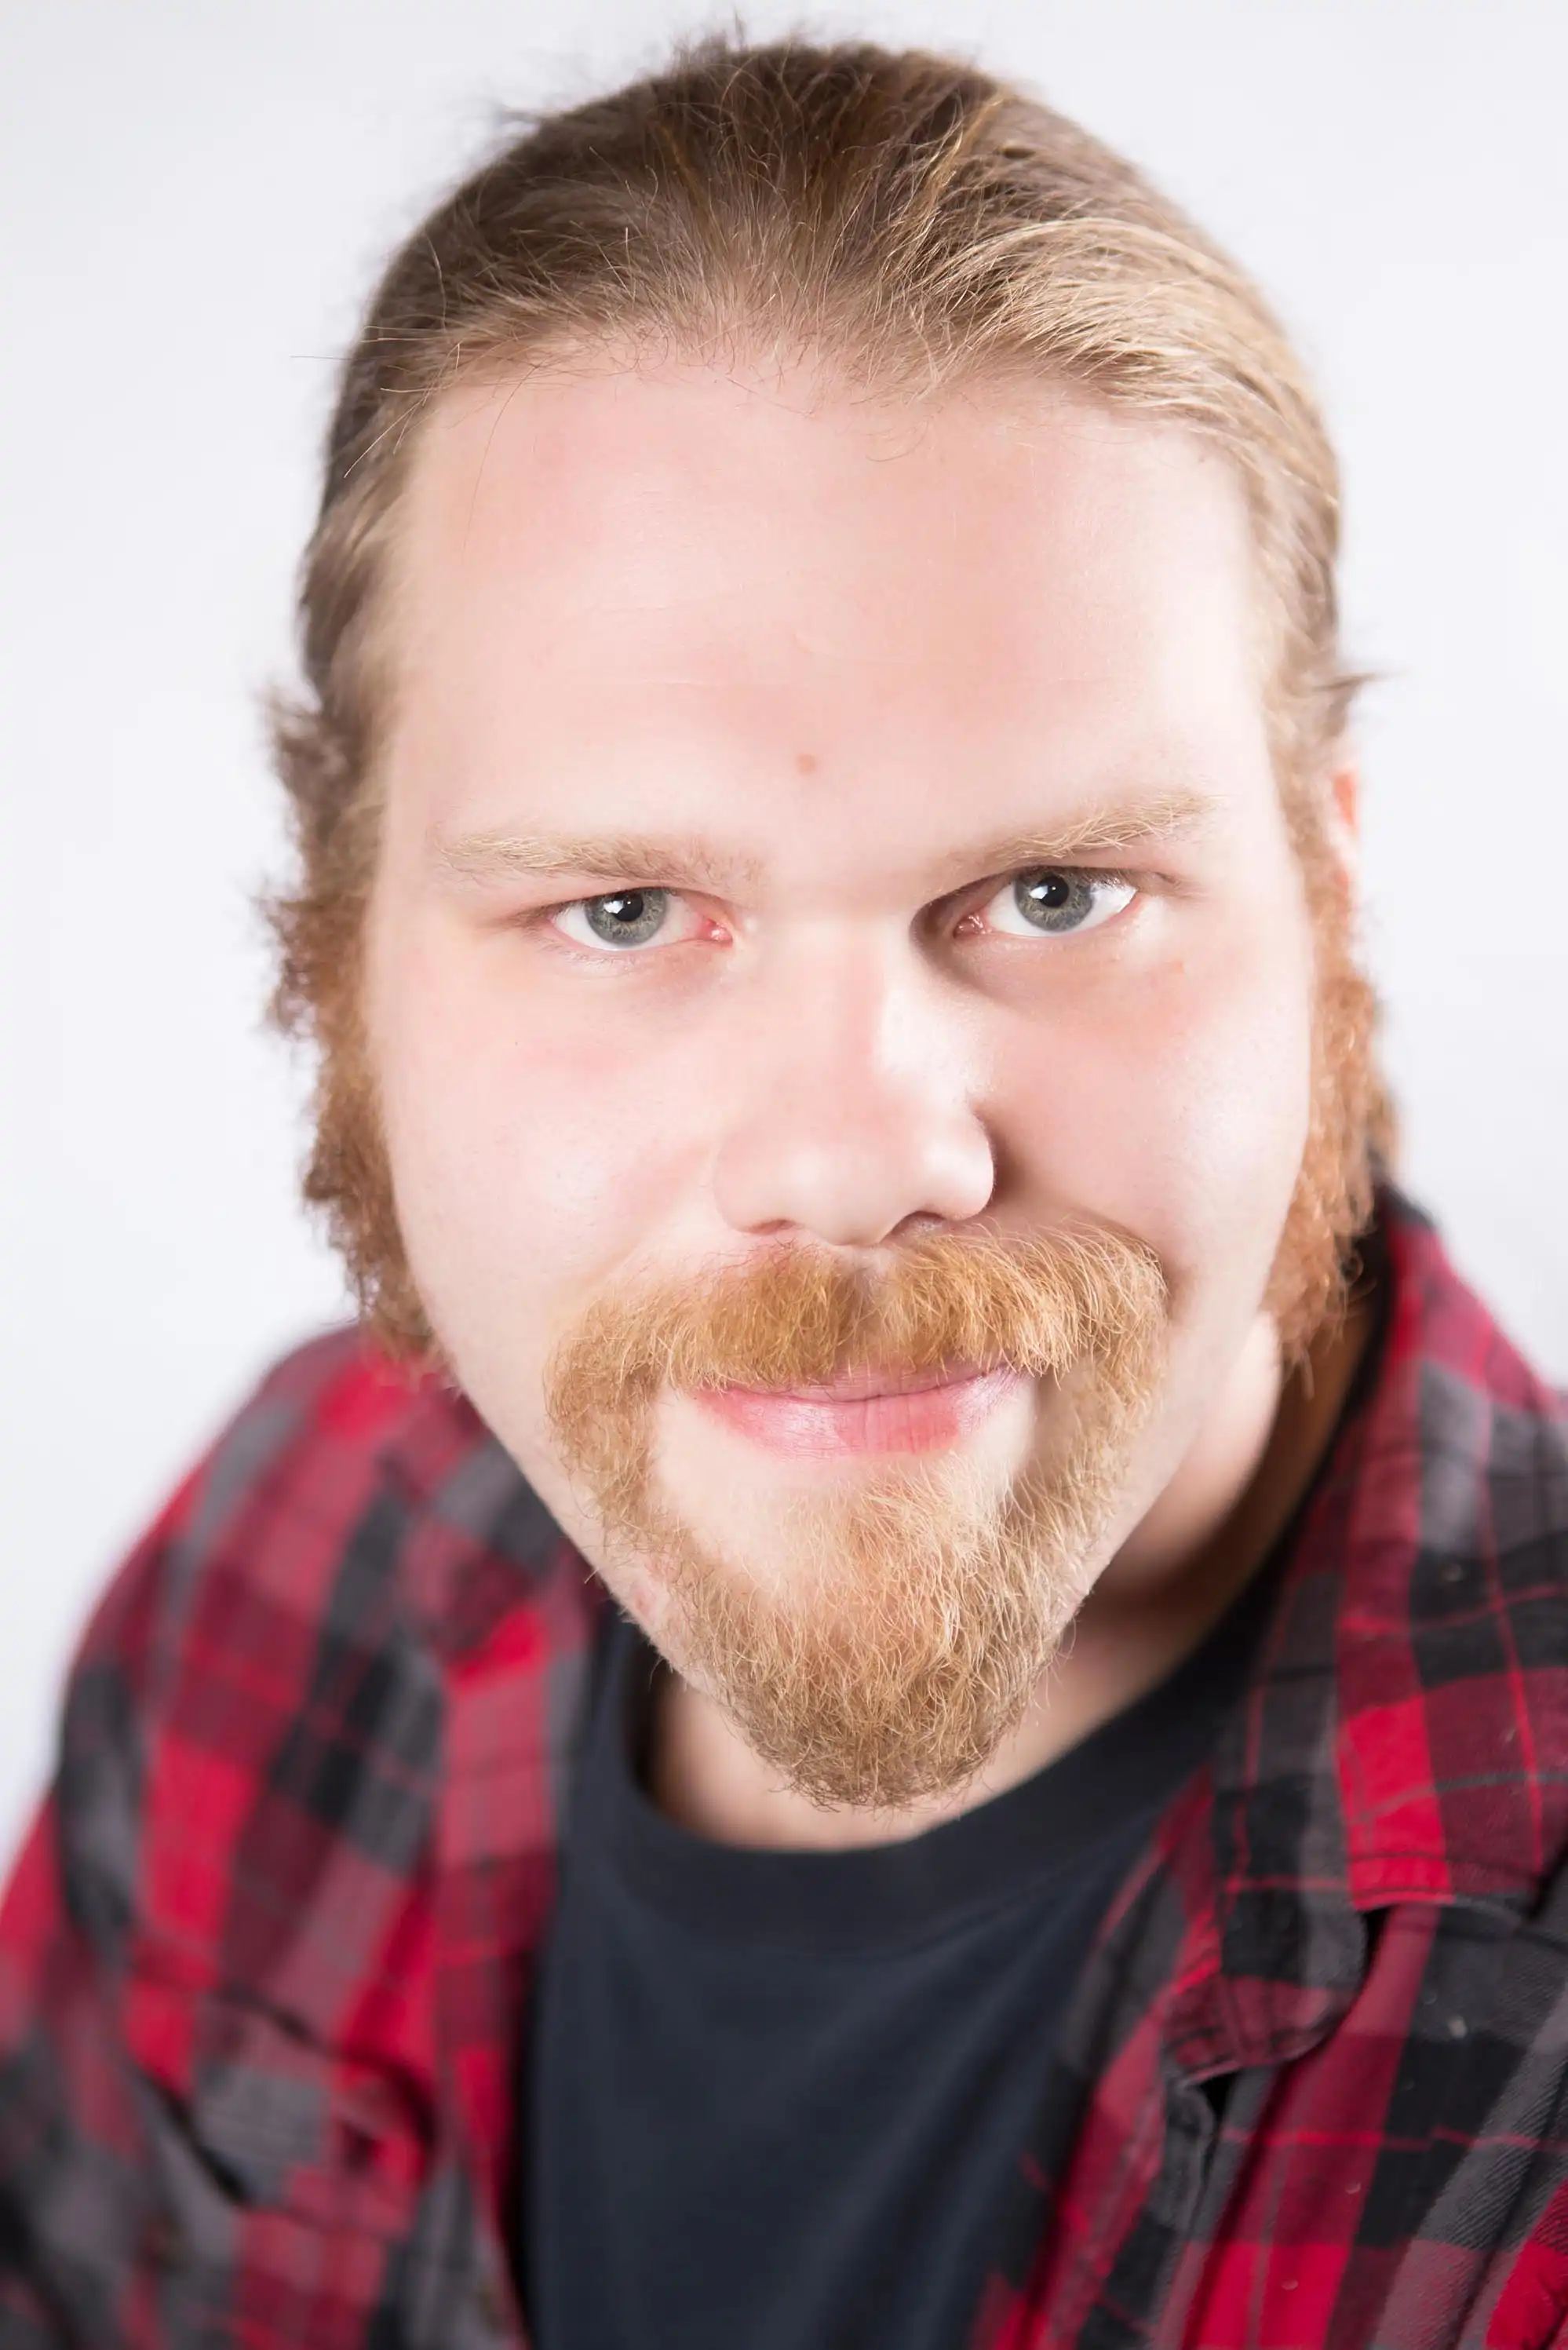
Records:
x=623, y=918
x=1056, y=900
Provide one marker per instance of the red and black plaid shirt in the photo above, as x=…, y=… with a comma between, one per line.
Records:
x=265, y=1961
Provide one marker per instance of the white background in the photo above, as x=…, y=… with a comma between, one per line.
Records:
x=193, y=197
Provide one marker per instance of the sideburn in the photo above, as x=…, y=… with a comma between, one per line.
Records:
x=1351, y=1133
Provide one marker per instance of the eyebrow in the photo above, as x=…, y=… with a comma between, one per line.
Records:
x=1102, y=831
x=503, y=854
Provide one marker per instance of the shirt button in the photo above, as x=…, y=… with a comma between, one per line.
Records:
x=163, y=2245
x=492, y=2304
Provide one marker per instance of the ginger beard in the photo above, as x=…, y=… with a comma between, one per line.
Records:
x=877, y=1638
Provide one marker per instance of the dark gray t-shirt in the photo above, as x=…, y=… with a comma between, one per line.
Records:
x=776, y=2100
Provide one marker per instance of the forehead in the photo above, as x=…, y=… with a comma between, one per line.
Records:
x=683, y=583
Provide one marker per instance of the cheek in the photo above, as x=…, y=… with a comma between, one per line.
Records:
x=1180, y=1112
x=531, y=1154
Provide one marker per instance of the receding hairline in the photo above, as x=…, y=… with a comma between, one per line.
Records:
x=1013, y=384
x=923, y=224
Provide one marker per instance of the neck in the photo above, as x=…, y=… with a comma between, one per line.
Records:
x=1208, y=1533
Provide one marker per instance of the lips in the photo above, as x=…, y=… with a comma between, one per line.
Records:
x=870, y=1411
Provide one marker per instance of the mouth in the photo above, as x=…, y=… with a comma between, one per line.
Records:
x=864, y=1412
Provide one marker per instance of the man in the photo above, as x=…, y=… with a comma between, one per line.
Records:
x=909, y=1687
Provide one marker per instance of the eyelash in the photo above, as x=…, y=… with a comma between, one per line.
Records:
x=543, y=917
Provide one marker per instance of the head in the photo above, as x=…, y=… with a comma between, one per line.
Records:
x=824, y=821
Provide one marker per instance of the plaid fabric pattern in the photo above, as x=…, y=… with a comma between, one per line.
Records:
x=265, y=1961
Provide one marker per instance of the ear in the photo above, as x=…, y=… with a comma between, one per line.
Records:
x=1344, y=823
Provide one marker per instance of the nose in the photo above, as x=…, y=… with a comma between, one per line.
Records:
x=854, y=1093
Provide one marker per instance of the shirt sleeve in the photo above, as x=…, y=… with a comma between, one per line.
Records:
x=80, y=2153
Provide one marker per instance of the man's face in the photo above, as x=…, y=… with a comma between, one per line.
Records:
x=818, y=833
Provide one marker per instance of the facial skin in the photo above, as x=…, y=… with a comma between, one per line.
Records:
x=832, y=674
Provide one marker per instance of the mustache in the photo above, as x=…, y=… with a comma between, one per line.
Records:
x=801, y=1317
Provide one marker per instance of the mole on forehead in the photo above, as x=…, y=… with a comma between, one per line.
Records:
x=806, y=762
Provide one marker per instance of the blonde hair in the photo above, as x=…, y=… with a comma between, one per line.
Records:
x=910, y=220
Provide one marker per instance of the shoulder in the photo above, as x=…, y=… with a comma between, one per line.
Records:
x=1489, y=1501
x=1452, y=1635
x=270, y=1673
x=346, y=1485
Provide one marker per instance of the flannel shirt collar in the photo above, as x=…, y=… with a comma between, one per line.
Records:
x=1396, y=1742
